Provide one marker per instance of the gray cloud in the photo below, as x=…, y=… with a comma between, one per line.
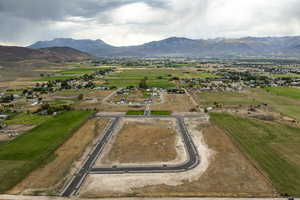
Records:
x=124, y=22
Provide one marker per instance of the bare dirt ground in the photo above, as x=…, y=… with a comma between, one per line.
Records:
x=102, y=107
x=175, y=102
x=144, y=141
x=223, y=171
x=51, y=176
x=19, y=83
x=20, y=197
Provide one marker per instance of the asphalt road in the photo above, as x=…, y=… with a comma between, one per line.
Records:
x=77, y=180
x=192, y=161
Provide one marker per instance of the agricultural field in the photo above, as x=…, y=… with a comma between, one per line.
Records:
x=48, y=178
x=28, y=119
x=36, y=147
x=159, y=78
x=281, y=100
x=276, y=148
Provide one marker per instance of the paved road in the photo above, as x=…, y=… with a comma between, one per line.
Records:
x=193, y=158
x=80, y=176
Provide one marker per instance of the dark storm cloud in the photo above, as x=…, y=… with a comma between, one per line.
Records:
x=137, y=21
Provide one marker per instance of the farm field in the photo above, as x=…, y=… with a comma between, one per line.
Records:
x=159, y=78
x=280, y=100
x=29, y=119
x=34, y=148
x=48, y=179
x=276, y=148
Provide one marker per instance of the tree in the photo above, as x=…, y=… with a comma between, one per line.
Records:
x=80, y=97
x=143, y=84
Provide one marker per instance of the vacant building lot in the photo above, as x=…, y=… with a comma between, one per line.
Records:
x=223, y=171
x=175, y=103
x=144, y=141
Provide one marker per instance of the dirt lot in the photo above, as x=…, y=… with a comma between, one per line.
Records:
x=141, y=142
x=175, y=102
x=50, y=177
x=223, y=171
x=103, y=107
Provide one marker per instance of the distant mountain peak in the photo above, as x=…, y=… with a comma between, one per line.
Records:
x=181, y=46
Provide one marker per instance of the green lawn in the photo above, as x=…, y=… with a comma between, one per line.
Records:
x=32, y=149
x=274, y=148
x=161, y=112
x=285, y=91
x=29, y=119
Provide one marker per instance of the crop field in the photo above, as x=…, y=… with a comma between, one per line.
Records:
x=286, y=75
x=52, y=78
x=285, y=91
x=37, y=146
x=160, y=112
x=28, y=119
x=282, y=100
x=135, y=112
x=274, y=147
x=48, y=178
x=79, y=71
x=156, y=77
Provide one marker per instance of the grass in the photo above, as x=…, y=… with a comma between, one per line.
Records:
x=274, y=148
x=286, y=75
x=161, y=112
x=159, y=78
x=29, y=119
x=285, y=103
x=72, y=93
x=34, y=148
x=135, y=112
x=53, y=78
x=285, y=91
x=79, y=71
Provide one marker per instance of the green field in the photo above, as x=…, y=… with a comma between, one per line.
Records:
x=285, y=91
x=283, y=103
x=28, y=119
x=159, y=78
x=274, y=148
x=160, y=112
x=32, y=149
x=79, y=71
x=71, y=93
x=135, y=112
x=53, y=78
x=286, y=75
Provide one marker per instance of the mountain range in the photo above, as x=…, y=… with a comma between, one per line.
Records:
x=178, y=46
x=53, y=54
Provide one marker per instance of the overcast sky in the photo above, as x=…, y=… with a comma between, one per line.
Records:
x=131, y=22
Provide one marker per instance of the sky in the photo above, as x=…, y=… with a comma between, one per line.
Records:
x=132, y=22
